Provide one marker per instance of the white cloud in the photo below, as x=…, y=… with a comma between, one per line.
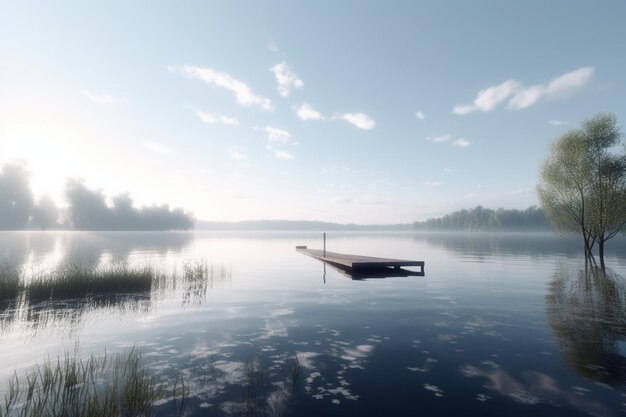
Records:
x=282, y=154
x=276, y=135
x=440, y=138
x=487, y=99
x=360, y=120
x=286, y=79
x=526, y=97
x=521, y=97
x=212, y=118
x=306, y=112
x=272, y=46
x=462, y=109
x=243, y=94
x=98, y=98
x=461, y=142
x=237, y=153
x=279, y=154
x=157, y=148
x=569, y=81
x=420, y=115
x=433, y=183
x=556, y=122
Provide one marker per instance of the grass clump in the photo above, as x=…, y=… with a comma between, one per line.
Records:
x=77, y=282
x=10, y=284
x=72, y=387
x=198, y=276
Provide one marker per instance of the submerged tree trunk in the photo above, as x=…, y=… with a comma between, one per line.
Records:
x=601, y=252
x=588, y=243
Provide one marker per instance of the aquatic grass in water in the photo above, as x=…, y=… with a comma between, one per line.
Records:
x=72, y=387
x=76, y=282
x=198, y=276
x=70, y=290
x=73, y=281
x=10, y=284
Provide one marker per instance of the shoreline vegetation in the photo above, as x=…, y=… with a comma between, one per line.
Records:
x=124, y=385
x=72, y=281
x=480, y=218
x=473, y=219
x=86, y=209
x=92, y=387
x=582, y=184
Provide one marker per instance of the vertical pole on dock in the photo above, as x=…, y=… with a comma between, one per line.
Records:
x=324, y=244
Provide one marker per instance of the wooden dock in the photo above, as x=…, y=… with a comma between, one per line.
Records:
x=358, y=263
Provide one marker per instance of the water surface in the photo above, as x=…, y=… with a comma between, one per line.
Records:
x=499, y=324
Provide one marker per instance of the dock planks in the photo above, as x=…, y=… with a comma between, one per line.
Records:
x=358, y=262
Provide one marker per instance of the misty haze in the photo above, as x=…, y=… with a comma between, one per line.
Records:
x=278, y=209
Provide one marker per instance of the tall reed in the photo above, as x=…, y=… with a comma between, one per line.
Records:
x=10, y=284
x=73, y=387
x=74, y=281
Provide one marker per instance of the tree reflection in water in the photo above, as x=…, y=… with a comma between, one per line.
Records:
x=586, y=310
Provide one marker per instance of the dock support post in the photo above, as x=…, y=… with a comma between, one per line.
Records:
x=324, y=244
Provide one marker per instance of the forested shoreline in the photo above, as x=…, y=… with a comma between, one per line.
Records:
x=86, y=209
x=481, y=218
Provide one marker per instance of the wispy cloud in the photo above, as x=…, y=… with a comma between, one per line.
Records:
x=419, y=115
x=274, y=134
x=98, y=98
x=556, y=122
x=286, y=79
x=212, y=118
x=272, y=46
x=237, y=153
x=567, y=82
x=306, y=112
x=360, y=120
x=487, y=99
x=461, y=142
x=433, y=183
x=526, y=97
x=276, y=137
x=243, y=94
x=440, y=138
x=157, y=148
x=280, y=154
x=520, y=97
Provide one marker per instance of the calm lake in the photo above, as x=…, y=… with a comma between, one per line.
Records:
x=500, y=323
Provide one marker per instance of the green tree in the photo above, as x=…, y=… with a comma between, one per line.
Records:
x=583, y=183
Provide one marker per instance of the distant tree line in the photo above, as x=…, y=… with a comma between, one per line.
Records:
x=299, y=225
x=86, y=210
x=480, y=218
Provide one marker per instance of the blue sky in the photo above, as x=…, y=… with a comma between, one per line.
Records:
x=367, y=112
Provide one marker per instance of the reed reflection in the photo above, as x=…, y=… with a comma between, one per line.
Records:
x=586, y=310
x=62, y=297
